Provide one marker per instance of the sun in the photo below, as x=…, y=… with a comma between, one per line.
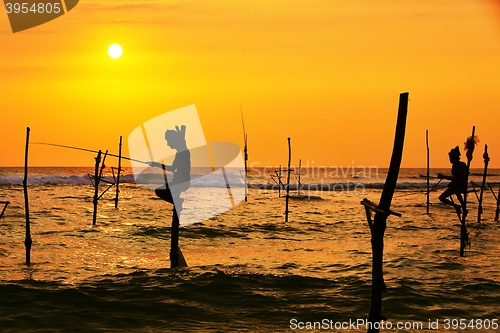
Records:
x=115, y=51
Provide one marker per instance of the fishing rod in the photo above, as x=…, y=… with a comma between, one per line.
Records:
x=419, y=192
x=88, y=150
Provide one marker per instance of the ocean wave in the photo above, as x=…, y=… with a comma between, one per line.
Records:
x=73, y=180
x=197, y=180
x=342, y=186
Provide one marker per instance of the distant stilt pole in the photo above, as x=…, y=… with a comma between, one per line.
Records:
x=96, y=186
x=246, y=170
x=428, y=170
x=279, y=182
x=27, y=239
x=483, y=185
x=288, y=181
x=464, y=234
x=497, y=211
x=298, y=180
x=174, y=243
x=380, y=220
x=119, y=170
x=245, y=151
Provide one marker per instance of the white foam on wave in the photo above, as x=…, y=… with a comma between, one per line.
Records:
x=73, y=180
x=210, y=180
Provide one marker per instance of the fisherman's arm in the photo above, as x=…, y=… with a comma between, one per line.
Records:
x=441, y=176
x=161, y=165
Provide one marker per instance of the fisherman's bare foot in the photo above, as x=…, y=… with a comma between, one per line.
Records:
x=458, y=209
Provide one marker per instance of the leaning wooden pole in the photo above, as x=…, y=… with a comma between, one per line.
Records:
x=428, y=170
x=380, y=219
x=5, y=203
x=288, y=181
x=119, y=170
x=464, y=234
x=27, y=239
x=96, y=186
x=483, y=185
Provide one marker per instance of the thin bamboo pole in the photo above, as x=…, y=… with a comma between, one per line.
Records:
x=288, y=180
x=279, y=182
x=497, y=210
x=428, y=170
x=174, y=239
x=246, y=168
x=96, y=186
x=464, y=234
x=119, y=170
x=298, y=180
x=27, y=240
x=483, y=185
x=245, y=151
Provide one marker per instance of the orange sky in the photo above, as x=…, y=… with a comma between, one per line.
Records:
x=326, y=73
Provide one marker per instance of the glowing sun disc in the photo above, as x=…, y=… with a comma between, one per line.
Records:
x=115, y=51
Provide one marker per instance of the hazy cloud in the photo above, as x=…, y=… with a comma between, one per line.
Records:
x=130, y=7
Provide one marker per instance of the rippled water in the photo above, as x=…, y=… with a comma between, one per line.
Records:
x=249, y=271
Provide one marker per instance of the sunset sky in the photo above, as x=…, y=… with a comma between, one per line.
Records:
x=327, y=73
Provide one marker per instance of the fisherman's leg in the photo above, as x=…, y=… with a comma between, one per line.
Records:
x=462, y=203
x=177, y=201
x=164, y=193
x=444, y=198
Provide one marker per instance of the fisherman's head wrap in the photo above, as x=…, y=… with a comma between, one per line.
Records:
x=455, y=152
x=176, y=137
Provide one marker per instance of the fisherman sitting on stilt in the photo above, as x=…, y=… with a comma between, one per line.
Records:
x=181, y=168
x=458, y=185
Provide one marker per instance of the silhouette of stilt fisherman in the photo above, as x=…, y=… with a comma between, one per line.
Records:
x=181, y=169
x=458, y=182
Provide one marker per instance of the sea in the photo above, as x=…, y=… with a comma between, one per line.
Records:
x=248, y=270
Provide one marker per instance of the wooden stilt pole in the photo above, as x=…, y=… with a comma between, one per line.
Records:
x=279, y=182
x=483, y=185
x=246, y=169
x=96, y=186
x=27, y=240
x=174, y=241
x=288, y=180
x=380, y=219
x=428, y=170
x=298, y=180
x=464, y=234
x=245, y=152
x=497, y=210
x=119, y=170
